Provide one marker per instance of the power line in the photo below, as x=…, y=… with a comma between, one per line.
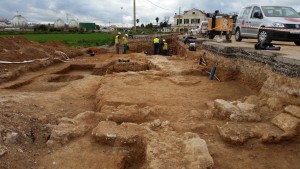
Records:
x=159, y=6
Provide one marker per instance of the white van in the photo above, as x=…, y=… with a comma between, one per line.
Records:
x=268, y=22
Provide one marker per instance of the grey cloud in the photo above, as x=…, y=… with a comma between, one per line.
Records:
x=104, y=11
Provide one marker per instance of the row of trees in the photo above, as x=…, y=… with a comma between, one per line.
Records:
x=45, y=28
x=48, y=28
x=165, y=23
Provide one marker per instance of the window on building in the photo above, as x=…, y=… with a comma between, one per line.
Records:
x=195, y=21
x=186, y=21
x=179, y=21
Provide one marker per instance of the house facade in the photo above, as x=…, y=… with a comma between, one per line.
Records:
x=190, y=19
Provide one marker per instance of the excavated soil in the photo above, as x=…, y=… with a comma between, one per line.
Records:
x=143, y=111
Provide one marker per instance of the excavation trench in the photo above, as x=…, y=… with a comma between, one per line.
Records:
x=143, y=111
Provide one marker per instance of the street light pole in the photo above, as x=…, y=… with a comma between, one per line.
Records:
x=121, y=16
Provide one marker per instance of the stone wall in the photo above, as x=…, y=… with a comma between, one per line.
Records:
x=278, y=62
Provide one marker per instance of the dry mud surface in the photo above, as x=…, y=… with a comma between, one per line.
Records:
x=151, y=112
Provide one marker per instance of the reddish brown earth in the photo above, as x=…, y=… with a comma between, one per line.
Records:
x=55, y=108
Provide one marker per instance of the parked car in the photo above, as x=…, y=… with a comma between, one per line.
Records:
x=267, y=23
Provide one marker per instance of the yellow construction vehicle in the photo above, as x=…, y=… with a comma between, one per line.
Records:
x=220, y=25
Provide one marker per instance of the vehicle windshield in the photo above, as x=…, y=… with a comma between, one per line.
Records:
x=280, y=11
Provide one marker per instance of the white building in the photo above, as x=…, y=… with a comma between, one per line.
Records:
x=73, y=24
x=4, y=23
x=19, y=21
x=59, y=23
x=190, y=19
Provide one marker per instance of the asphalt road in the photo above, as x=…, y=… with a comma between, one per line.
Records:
x=287, y=48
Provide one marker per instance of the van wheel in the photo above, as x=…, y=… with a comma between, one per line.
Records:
x=297, y=43
x=263, y=36
x=238, y=36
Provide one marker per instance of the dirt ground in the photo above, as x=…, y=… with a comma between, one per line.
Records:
x=138, y=110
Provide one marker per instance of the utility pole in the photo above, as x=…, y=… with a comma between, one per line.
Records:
x=67, y=18
x=122, y=16
x=195, y=20
x=134, y=16
x=179, y=20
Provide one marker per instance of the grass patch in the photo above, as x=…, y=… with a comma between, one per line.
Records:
x=70, y=39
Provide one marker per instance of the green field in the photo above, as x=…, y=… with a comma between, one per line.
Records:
x=70, y=39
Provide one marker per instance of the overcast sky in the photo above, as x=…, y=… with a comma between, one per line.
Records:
x=107, y=12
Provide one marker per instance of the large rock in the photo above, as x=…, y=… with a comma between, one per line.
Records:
x=293, y=110
x=225, y=108
x=286, y=122
x=128, y=136
x=253, y=99
x=236, y=111
x=68, y=129
x=246, y=107
x=162, y=148
x=173, y=150
x=2, y=128
x=3, y=150
x=245, y=116
x=11, y=137
x=196, y=152
x=124, y=113
x=240, y=133
x=275, y=103
x=110, y=133
x=236, y=133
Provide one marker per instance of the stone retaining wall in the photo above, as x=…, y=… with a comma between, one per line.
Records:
x=278, y=62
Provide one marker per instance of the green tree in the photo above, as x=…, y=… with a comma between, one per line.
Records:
x=157, y=19
x=142, y=25
x=149, y=26
x=165, y=23
x=41, y=28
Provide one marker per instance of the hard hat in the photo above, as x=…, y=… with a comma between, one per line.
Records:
x=119, y=33
x=126, y=35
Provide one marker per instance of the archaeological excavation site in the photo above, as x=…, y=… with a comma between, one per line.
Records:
x=222, y=106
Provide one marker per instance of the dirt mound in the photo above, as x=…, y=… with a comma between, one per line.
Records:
x=19, y=49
